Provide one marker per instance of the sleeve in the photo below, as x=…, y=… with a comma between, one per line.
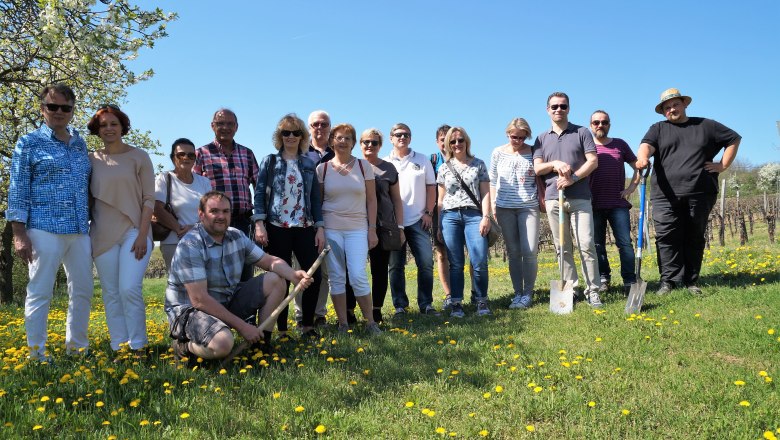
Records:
x=368, y=170
x=315, y=199
x=482, y=172
x=198, y=167
x=441, y=177
x=259, y=201
x=320, y=171
x=651, y=137
x=253, y=253
x=493, y=171
x=628, y=154
x=724, y=136
x=253, y=167
x=588, y=144
x=19, y=185
x=537, y=149
x=160, y=187
x=146, y=174
x=430, y=176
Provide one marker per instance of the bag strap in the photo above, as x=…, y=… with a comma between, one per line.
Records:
x=464, y=186
x=360, y=162
x=168, y=195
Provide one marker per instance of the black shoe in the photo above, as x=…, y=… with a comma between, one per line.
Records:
x=351, y=318
x=320, y=321
x=695, y=290
x=310, y=334
x=377, y=315
x=665, y=288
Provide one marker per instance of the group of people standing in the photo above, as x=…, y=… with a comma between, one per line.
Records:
x=68, y=206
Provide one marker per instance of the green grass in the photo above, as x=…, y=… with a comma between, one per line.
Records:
x=668, y=373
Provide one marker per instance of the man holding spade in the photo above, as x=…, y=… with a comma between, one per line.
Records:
x=564, y=156
x=205, y=297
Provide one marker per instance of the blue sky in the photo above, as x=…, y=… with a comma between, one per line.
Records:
x=473, y=64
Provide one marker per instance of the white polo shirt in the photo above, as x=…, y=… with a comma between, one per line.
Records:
x=415, y=173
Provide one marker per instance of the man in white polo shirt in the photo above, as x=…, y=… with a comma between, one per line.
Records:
x=418, y=194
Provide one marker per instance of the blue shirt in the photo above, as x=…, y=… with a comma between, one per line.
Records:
x=49, y=183
x=198, y=257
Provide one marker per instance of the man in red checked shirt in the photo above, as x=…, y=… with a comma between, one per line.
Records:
x=231, y=168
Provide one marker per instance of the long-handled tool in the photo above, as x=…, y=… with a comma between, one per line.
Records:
x=636, y=295
x=561, y=291
x=269, y=322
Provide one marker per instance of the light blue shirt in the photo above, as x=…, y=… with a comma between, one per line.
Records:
x=49, y=183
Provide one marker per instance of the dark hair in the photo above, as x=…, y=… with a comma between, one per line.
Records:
x=180, y=141
x=558, y=95
x=60, y=88
x=599, y=111
x=213, y=195
x=226, y=111
x=442, y=130
x=94, y=124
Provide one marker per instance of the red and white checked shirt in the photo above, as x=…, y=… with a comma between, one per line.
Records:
x=230, y=174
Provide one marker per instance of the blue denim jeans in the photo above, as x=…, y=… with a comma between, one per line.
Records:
x=419, y=242
x=461, y=228
x=620, y=221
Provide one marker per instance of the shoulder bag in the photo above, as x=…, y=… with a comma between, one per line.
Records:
x=159, y=231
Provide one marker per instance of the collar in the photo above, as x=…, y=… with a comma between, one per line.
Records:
x=48, y=132
x=407, y=157
x=221, y=147
x=567, y=129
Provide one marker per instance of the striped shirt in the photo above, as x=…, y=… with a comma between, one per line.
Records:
x=230, y=174
x=513, y=177
x=49, y=183
x=199, y=257
x=609, y=179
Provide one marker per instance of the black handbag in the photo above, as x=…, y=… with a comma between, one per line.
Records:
x=389, y=237
x=159, y=231
x=495, y=230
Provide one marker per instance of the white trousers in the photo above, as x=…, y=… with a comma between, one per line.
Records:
x=121, y=280
x=74, y=252
x=349, y=251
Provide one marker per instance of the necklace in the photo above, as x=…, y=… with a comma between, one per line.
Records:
x=343, y=168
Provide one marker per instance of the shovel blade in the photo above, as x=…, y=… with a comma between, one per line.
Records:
x=636, y=297
x=561, y=297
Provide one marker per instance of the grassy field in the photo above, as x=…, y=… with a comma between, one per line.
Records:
x=687, y=367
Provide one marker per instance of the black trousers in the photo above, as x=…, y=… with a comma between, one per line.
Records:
x=379, y=261
x=282, y=243
x=680, y=228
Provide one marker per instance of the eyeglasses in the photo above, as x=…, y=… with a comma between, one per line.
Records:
x=225, y=124
x=402, y=135
x=343, y=138
x=320, y=124
x=111, y=106
x=458, y=141
x=64, y=107
x=561, y=106
x=597, y=123
x=370, y=143
x=183, y=155
x=288, y=133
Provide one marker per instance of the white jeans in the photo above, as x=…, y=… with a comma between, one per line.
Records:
x=74, y=252
x=121, y=279
x=349, y=251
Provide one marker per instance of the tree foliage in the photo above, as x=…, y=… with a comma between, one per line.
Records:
x=769, y=177
x=82, y=43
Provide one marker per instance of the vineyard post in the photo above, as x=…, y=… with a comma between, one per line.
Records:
x=722, y=231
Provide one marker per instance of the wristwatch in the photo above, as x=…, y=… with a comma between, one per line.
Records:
x=427, y=212
x=574, y=178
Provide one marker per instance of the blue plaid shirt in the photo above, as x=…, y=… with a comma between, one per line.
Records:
x=198, y=257
x=49, y=183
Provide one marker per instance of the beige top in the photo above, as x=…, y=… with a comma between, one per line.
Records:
x=121, y=185
x=344, y=198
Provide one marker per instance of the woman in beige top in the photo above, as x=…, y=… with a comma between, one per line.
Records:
x=122, y=189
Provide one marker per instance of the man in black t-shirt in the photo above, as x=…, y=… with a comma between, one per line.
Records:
x=684, y=186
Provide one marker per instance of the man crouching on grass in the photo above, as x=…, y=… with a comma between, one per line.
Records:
x=205, y=298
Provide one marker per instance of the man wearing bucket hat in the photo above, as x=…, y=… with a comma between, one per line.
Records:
x=684, y=186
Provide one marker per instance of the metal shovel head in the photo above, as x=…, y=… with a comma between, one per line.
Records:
x=561, y=297
x=636, y=296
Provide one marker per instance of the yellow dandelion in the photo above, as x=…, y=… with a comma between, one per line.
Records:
x=592, y=404
x=530, y=428
x=486, y=396
x=758, y=316
x=40, y=409
x=277, y=394
x=472, y=414
x=739, y=383
x=223, y=371
x=771, y=331
x=99, y=404
x=578, y=377
x=598, y=339
x=763, y=373
x=769, y=435
x=366, y=372
x=59, y=400
x=360, y=350
x=409, y=404
x=768, y=379
x=320, y=429
x=105, y=423
x=135, y=403
x=625, y=412
x=744, y=403
x=45, y=399
x=299, y=408
x=425, y=411
x=538, y=389
x=441, y=430
x=37, y=427
x=184, y=415
x=144, y=423
x=484, y=433
x=431, y=413
x=454, y=372
x=499, y=389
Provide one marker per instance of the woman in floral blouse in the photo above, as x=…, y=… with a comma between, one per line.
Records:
x=288, y=210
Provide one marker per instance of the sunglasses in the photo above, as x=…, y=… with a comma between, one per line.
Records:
x=516, y=138
x=597, y=123
x=111, y=106
x=561, y=106
x=64, y=107
x=183, y=155
x=402, y=135
x=458, y=141
x=320, y=124
x=288, y=133
x=369, y=143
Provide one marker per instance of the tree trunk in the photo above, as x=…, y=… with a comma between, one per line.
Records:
x=6, y=265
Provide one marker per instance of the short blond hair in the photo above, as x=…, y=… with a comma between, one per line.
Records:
x=449, y=136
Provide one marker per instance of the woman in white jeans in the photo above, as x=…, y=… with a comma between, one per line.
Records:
x=122, y=188
x=349, y=211
x=513, y=192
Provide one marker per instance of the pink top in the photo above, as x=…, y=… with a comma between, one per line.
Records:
x=344, y=197
x=121, y=185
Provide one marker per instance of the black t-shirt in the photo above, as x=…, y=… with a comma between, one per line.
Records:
x=680, y=153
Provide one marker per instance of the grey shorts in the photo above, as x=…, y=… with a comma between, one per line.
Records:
x=200, y=327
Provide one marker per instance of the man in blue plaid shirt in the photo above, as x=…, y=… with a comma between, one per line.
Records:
x=205, y=297
x=48, y=207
